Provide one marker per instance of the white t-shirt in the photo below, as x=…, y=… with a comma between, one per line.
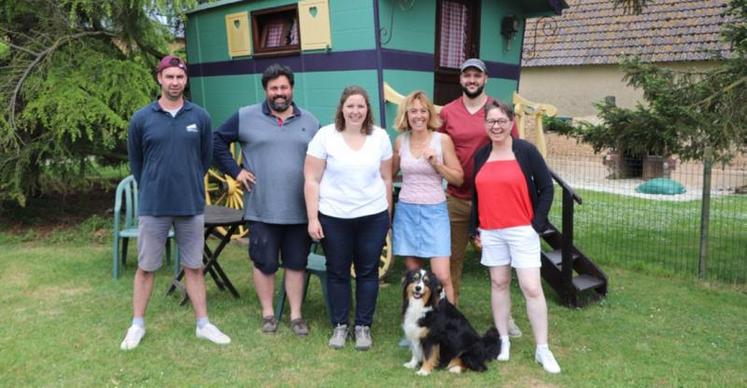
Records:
x=351, y=185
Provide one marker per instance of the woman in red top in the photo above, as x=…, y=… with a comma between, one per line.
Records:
x=513, y=194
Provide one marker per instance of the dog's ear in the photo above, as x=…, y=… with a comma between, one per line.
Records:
x=436, y=289
x=405, y=297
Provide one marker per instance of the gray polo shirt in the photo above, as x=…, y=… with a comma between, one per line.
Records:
x=274, y=152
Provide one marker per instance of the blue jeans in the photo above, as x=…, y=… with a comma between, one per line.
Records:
x=353, y=241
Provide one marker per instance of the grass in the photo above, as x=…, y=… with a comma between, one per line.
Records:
x=661, y=235
x=62, y=318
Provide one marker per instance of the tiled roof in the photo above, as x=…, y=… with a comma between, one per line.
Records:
x=594, y=32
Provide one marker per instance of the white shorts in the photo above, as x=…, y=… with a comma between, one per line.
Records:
x=518, y=246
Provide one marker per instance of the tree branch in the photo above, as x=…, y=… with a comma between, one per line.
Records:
x=39, y=57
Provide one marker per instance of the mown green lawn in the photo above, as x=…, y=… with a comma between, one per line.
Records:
x=661, y=235
x=62, y=318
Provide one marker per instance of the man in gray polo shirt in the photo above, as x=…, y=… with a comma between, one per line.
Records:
x=273, y=135
x=169, y=147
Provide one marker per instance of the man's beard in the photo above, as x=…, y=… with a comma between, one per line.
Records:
x=473, y=94
x=278, y=106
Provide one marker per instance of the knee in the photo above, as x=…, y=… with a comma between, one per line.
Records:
x=500, y=284
x=266, y=267
x=532, y=292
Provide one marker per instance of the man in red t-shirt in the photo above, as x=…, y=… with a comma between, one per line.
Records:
x=463, y=120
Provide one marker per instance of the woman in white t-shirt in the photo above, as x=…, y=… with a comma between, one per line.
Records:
x=348, y=190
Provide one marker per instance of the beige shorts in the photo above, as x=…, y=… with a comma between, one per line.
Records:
x=151, y=242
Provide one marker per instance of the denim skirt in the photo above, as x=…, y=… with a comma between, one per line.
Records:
x=421, y=230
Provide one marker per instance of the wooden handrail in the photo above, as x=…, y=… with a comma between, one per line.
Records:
x=566, y=187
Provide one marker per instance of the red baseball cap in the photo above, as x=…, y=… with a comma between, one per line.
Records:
x=171, y=61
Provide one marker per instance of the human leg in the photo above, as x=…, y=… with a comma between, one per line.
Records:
x=264, y=248
x=295, y=251
x=150, y=244
x=459, y=214
x=338, y=249
x=190, y=238
x=370, y=233
x=441, y=268
x=500, y=302
x=531, y=285
x=413, y=263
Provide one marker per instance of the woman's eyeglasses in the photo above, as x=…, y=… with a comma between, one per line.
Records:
x=492, y=123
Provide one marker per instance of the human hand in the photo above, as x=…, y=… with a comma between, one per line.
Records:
x=430, y=155
x=315, y=230
x=476, y=241
x=246, y=179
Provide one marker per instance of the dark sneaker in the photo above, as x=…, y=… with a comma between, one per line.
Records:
x=363, y=339
x=299, y=327
x=339, y=335
x=269, y=324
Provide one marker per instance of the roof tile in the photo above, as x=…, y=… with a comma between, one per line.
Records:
x=594, y=32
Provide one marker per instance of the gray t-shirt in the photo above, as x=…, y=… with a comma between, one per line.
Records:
x=274, y=152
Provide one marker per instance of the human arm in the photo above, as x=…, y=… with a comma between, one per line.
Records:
x=226, y=134
x=135, y=148
x=449, y=167
x=386, y=175
x=545, y=190
x=395, y=156
x=479, y=159
x=206, y=144
x=313, y=169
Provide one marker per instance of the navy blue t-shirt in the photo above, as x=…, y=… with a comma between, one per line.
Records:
x=169, y=157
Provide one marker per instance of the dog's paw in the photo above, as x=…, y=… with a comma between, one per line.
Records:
x=455, y=369
x=411, y=365
x=423, y=372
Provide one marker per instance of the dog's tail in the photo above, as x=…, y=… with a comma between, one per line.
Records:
x=491, y=343
x=486, y=349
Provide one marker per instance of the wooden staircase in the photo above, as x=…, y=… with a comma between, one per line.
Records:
x=575, y=278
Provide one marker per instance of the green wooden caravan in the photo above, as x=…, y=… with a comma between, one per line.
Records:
x=389, y=47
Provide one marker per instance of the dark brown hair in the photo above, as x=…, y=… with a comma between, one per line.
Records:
x=368, y=122
x=500, y=105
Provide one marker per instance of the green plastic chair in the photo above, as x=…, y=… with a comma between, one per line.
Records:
x=126, y=227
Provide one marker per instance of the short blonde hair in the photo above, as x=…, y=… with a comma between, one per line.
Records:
x=402, y=124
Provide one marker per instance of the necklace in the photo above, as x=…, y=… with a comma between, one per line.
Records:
x=417, y=148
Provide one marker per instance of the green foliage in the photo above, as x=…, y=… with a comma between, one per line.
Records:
x=4, y=50
x=73, y=73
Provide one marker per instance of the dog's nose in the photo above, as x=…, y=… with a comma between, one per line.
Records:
x=418, y=288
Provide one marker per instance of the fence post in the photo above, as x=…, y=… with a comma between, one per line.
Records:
x=705, y=211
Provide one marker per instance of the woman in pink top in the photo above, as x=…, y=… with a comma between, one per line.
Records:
x=421, y=219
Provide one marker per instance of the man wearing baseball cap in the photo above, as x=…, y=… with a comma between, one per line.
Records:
x=463, y=121
x=170, y=149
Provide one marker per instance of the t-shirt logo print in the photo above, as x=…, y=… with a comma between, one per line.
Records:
x=192, y=128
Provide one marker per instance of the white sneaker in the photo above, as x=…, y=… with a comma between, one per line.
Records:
x=547, y=360
x=132, y=339
x=211, y=333
x=505, y=350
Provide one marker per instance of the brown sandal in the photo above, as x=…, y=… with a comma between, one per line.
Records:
x=299, y=327
x=269, y=324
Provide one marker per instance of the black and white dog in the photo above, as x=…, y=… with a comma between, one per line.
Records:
x=440, y=336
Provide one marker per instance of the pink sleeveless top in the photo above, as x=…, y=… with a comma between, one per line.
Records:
x=421, y=183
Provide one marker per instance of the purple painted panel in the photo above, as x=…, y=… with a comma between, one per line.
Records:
x=340, y=61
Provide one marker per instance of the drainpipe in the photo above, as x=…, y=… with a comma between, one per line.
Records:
x=379, y=65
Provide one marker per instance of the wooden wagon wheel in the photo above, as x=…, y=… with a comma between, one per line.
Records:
x=222, y=190
x=385, y=260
